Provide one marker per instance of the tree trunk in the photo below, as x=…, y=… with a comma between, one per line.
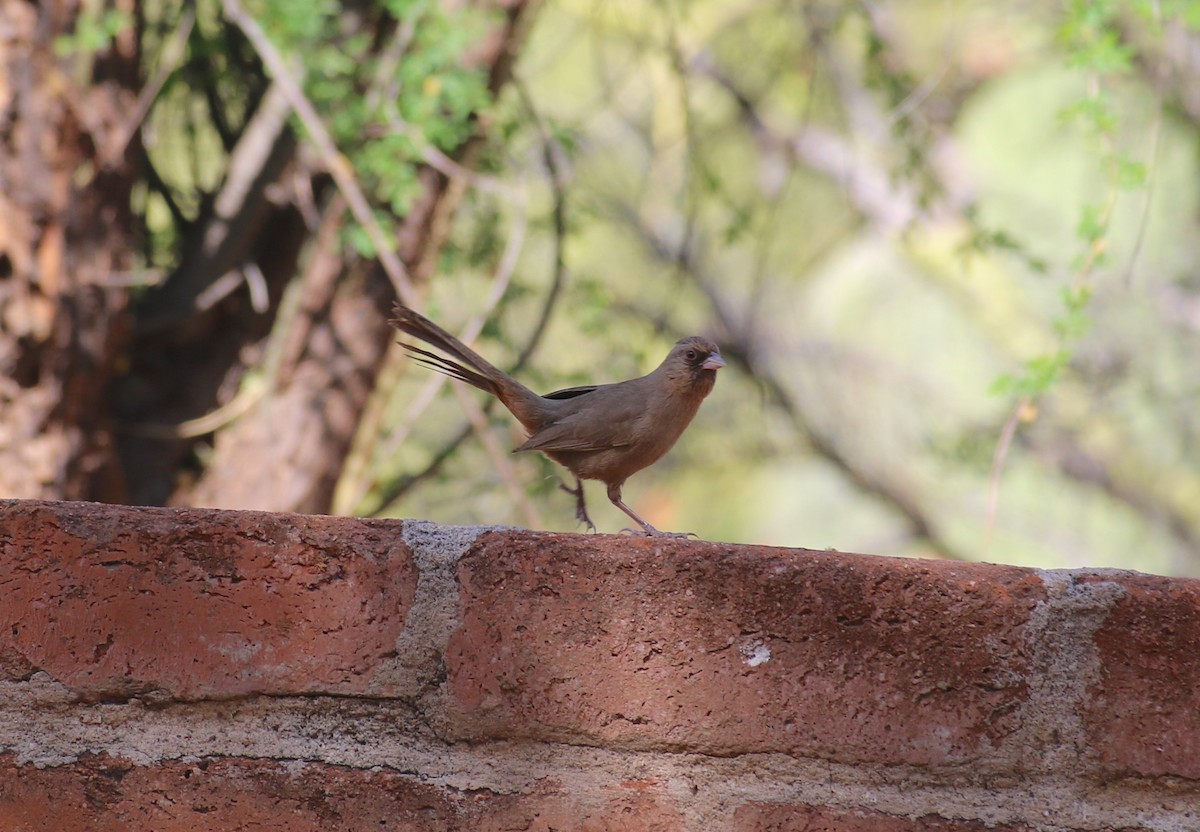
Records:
x=65, y=239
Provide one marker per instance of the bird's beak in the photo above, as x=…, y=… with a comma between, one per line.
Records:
x=713, y=362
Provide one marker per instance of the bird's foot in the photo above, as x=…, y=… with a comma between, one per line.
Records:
x=580, y=506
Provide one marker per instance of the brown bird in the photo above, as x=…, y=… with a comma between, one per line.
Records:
x=603, y=432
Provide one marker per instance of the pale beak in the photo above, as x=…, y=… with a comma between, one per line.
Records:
x=713, y=362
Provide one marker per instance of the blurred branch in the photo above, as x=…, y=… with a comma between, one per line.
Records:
x=354, y=484
x=1169, y=60
x=693, y=161
x=245, y=398
x=875, y=194
x=285, y=344
x=1023, y=410
x=172, y=54
x=746, y=345
x=227, y=233
x=874, y=191
x=1180, y=517
x=554, y=159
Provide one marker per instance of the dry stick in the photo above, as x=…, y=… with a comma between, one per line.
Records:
x=1006, y=437
x=250, y=394
x=337, y=165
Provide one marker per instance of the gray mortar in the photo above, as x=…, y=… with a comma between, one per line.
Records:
x=1064, y=665
x=418, y=668
x=40, y=722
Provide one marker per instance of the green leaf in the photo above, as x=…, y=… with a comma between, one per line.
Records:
x=1092, y=225
x=94, y=32
x=1130, y=174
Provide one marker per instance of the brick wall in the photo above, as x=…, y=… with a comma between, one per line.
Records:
x=211, y=670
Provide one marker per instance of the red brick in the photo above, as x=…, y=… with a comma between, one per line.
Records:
x=105, y=794
x=773, y=817
x=651, y=644
x=1143, y=714
x=113, y=601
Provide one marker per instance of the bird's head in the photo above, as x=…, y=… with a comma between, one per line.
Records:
x=693, y=363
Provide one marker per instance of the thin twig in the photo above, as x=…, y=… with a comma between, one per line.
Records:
x=1160, y=83
x=552, y=157
x=249, y=395
x=443, y=164
x=998, y=459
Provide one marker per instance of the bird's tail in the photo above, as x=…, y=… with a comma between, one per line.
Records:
x=477, y=372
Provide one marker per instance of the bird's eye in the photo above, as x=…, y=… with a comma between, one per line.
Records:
x=691, y=355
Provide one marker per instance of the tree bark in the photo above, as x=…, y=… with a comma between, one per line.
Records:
x=65, y=182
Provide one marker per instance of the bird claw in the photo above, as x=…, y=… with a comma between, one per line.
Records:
x=580, y=507
x=650, y=531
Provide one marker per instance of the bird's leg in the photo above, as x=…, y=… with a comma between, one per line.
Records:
x=614, y=494
x=580, y=507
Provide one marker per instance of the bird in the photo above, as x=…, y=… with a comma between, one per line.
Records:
x=605, y=432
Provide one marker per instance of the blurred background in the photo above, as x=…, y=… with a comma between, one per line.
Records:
x=949, y=250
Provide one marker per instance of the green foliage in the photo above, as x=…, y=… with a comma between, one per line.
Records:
x=1090, y=35
x=1092, y=40
x=95, y=29
x=436, y=96
x=1074, y=323
x=1041, y=372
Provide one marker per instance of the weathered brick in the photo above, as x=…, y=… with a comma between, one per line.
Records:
x=775, y=817
x=728, y=649
x=1143, y=714
x=114, y=601
x=106, y=794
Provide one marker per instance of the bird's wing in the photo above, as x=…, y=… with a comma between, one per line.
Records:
x=572, y=392
x=604, y=423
